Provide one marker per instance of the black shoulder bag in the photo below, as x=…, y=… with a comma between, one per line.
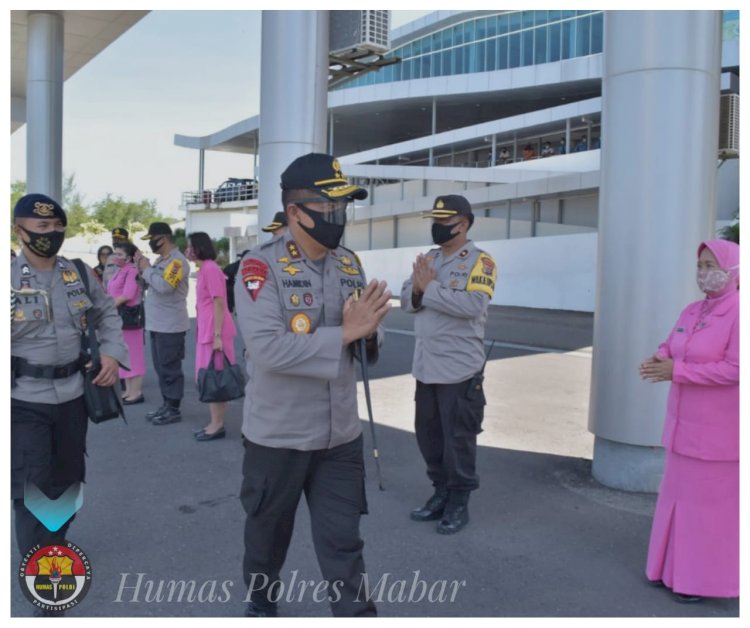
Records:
x=102, y=402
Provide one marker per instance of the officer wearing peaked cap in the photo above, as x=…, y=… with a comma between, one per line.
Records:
x=50, y=308
x=301, y=425
x=277, y=226
x=166, y=317
x=449, y=292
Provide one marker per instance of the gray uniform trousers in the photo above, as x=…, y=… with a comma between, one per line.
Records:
x=167, y=353
x=448, y=418
x=48, y=443
x=333, y=483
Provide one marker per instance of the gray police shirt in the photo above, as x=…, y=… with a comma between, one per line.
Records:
x=301, y=391
x=165, y=301
x=450, y=318
x=49, y=309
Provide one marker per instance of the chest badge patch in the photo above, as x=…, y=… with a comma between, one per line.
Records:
x=349, y=270
x=292, y=270
x=294, y=300
x=300, y=323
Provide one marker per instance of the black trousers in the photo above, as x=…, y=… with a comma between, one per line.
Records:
x=333, y=483
x=448, y=418
x=48, y=446
x=167, y=354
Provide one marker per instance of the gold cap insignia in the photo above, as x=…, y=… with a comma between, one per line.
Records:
x=44, y=209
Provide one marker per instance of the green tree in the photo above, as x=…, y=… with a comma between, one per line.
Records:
x=72, y=203
x=732, y=232
x=17, y=190
x=117, y=212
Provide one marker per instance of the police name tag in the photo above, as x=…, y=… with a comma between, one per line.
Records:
x=29, y=305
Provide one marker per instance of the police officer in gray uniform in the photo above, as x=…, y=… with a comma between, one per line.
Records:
x=50, y=307
x=449, y=292
x=119, y=235
x=166, y=317
x=301, y=428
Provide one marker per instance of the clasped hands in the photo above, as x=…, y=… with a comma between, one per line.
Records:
x=423, y=272
x=656, y=369
x=362, y=314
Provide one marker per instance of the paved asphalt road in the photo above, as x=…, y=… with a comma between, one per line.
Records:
x=545, y=539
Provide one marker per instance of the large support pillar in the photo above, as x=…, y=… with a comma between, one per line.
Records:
x=44, y=103
x=657, y=201
x=293, y=98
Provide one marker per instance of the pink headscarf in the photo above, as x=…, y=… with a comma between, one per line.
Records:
x=727, y=253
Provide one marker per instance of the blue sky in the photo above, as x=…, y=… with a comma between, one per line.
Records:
x=185, y=72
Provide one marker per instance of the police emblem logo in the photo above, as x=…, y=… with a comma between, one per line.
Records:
x=45, y=210
x=308, y=298
x=337, y=169
x=346, y=260
x=254, y=273
x=55, y=577
x=463, y=253
x=283, y=260
x=292, y=270
x=69, y=277
x=294, y=299
x=300, y=323
x=349, y=270
x=439, y=204
x=488, y=266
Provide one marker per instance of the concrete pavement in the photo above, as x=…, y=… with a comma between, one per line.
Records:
x=544, y=539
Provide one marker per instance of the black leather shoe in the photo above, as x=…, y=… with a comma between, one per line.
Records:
x=150, y=416
x=170, y=415
x=433, y=509
x=206, y=436
x=687, y=599
x=255, y=610
x=132, y=402
x=455, y=518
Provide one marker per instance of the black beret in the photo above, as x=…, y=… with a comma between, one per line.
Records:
x=39, y=206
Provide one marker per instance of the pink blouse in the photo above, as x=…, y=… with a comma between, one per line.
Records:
x=212, y=283
x=125, y=283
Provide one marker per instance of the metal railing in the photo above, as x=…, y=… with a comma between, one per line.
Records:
x=213, y=197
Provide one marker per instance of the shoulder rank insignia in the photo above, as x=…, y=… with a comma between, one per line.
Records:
x=293, y=249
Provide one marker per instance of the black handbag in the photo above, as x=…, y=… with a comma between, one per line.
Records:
x=132, y=316
x=221, y=385
x=102, y=402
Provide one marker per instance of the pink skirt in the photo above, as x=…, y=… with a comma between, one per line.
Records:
x=695, y=535
x=134, y=341
x=204, y=351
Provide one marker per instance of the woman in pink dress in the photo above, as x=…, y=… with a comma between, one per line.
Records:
x=215, y=330
x=124, y=288
x=694, y=546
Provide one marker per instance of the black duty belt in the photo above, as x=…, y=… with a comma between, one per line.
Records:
x=21, y=367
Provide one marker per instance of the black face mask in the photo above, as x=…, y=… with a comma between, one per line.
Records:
x=155, y=244
x=323, y=232
x=442, y=233
x=44, y=244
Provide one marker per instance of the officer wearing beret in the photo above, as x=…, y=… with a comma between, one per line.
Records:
x=119, y=235
x=50, y=308
x=277, y=226
x=301, y=427
x=166, y=317
x=449, y=292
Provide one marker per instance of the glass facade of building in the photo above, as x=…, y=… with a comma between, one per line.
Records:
x=508, y=39
x=495, y=42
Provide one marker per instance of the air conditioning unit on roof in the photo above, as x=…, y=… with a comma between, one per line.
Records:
x=729, y=123
x=359, y=30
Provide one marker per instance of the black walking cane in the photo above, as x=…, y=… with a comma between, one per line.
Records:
x=366, y=382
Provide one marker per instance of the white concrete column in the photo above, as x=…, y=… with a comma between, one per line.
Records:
x=657, y=201
x=293, y=98
x=44, y=103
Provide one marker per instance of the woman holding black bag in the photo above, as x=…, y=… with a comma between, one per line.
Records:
x=125, y=289
x=215, y=329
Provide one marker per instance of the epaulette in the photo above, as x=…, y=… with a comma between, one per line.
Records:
x=359, y=261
